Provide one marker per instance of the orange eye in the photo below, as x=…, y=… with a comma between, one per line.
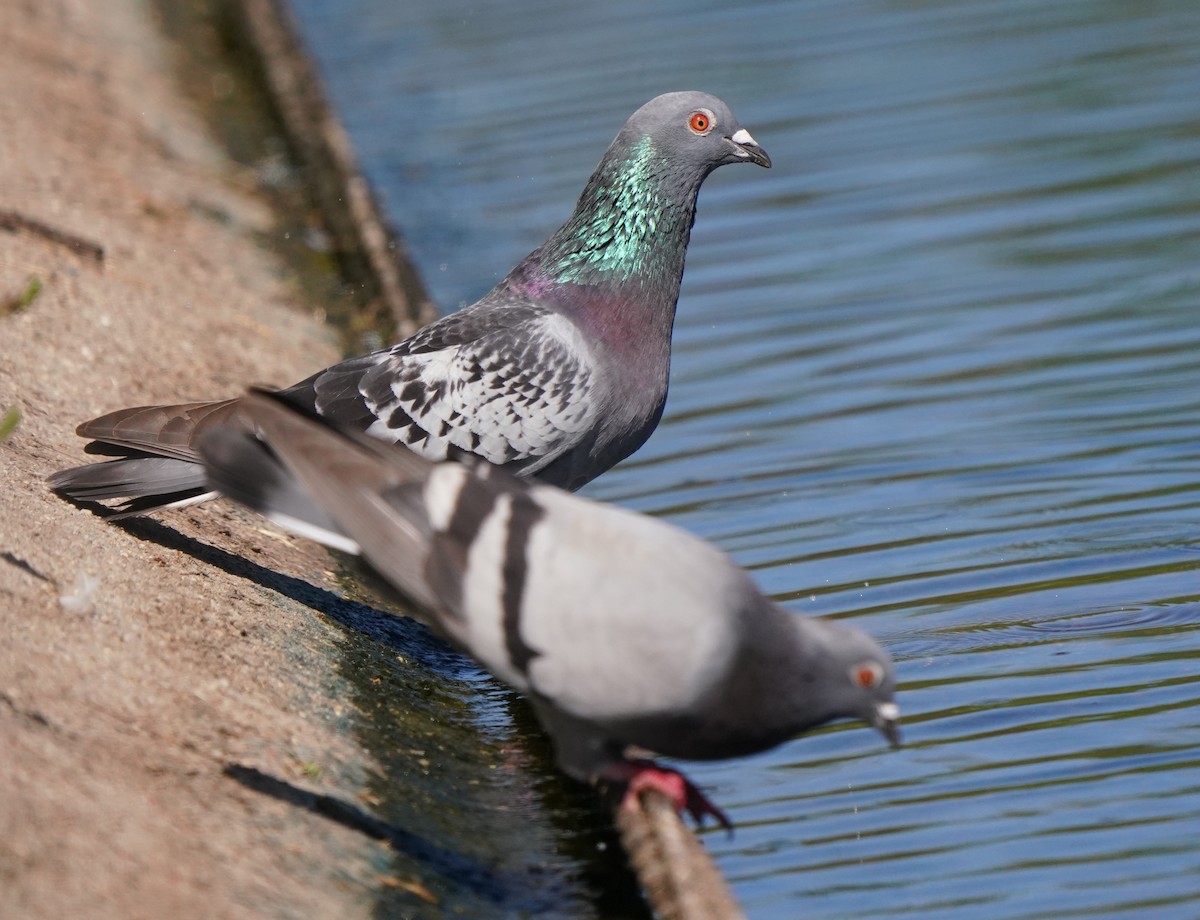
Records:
x=700, y=122
x=867, y=675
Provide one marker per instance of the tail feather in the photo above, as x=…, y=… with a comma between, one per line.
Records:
x=242, y=467
x=166, y=431
x=157, y=464
x=129, y=478
x=372, y=487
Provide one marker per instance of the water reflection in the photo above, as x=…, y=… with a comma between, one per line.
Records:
x=937, y=373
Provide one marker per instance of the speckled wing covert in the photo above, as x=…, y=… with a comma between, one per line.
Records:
x=518, y=394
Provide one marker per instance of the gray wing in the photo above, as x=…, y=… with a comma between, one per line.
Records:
x=602, y=612
x=518, y=395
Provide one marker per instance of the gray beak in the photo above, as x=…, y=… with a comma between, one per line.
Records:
x=746, y=147
x=887, y=719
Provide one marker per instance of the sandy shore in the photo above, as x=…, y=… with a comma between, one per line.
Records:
x=120, y=714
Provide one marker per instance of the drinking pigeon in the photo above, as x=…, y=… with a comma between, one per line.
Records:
x=620, y=630
x=559, y=372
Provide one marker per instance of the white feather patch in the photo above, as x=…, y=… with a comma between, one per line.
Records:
x=188, y=502
x=309, y=531
x=483, y=594
x=442, y=489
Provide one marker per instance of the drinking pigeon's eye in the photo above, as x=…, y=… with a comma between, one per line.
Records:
x=868, y=674
x=700, y=122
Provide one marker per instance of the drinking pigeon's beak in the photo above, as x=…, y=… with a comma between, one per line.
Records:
x=887, y=720
x=747, y=148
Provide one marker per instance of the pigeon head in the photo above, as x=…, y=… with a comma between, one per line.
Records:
x=698, y=132
x=633, y=220
x=857, y=679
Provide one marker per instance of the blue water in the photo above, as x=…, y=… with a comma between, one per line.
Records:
x=937, y=373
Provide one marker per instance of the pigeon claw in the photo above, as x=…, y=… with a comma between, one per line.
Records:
x=641, y=775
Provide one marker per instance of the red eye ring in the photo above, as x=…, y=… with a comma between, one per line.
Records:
x=867, y=674
x=700, y=122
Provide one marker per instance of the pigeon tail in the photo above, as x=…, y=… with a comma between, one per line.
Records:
x=243, y=468
x=301, y=483
x=156, y=463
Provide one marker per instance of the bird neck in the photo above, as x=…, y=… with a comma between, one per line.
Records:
x=630, y=229
x=774, y=685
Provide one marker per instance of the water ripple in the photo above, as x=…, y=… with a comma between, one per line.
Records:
x=935, y=374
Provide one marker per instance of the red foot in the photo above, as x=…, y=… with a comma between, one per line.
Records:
x=638, y=775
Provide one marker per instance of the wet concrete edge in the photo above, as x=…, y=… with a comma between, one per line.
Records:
x=372, y=249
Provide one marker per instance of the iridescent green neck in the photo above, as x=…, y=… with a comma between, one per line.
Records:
x=632, y=223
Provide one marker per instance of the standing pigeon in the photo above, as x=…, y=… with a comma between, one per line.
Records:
x=619, y=629
x=559, y=372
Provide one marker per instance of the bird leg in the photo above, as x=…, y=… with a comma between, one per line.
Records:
x=639, y=775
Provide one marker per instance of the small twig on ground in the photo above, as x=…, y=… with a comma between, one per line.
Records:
x=14, y=222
